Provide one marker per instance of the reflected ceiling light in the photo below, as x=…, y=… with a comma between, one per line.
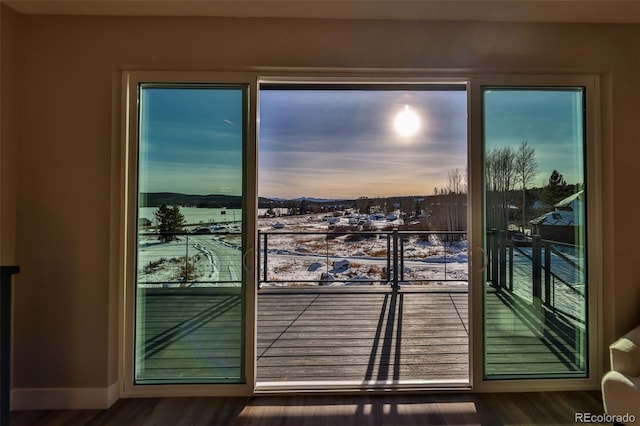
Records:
x=407, y=122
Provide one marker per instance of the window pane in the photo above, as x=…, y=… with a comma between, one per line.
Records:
x=535, y=196
x=189, y=298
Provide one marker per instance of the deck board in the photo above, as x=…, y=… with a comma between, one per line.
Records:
x=527, y=340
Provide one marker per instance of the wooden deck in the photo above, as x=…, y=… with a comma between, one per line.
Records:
x=363, y=337
x=358, y=337
x=530, y=341
x=190, y=335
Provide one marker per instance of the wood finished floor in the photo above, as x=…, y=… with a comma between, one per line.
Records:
x=514, y=409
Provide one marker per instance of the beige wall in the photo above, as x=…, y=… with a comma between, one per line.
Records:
x=67, y=70
x=8, y=140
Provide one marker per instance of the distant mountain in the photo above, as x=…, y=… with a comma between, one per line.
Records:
x=156, y=199
x=318, y=200
x=264, y=202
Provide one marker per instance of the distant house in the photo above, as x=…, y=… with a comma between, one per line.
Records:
x=143, y=222
x=564, y=222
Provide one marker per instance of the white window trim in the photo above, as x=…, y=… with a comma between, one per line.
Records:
x=129, y=163
x=253, y=77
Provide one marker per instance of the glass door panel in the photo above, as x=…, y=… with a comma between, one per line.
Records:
x=362, y=254
x=535, y=307
x=189, y=296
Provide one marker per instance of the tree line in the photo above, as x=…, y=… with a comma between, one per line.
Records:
x=510, y=194
x=509, y=174
x=509, y=177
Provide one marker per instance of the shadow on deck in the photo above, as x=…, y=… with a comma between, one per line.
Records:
x=530, y=339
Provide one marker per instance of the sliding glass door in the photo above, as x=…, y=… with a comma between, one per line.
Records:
x=192, y=236
x=535, y=198
x=189, y=293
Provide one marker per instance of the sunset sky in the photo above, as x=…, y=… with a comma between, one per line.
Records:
x=341, y=143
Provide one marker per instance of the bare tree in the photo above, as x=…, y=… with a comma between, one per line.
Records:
x=455, y=182
x=500, y=177
x=448, y=206
x=526, y=170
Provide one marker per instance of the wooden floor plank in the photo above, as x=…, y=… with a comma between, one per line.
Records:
x=400, y=409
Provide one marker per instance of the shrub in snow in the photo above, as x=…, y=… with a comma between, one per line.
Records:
x=314, y=266
x=326, y=278
x=353, y=238
x=341, y=265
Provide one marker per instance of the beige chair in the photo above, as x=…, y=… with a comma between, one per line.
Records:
x=621, y=385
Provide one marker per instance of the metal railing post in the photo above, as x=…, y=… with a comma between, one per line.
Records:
x=502, y=280
x=445, y=259
x=395, y=258
x=266, y=254
x=388, y=258
x=487, y=247
x=401, y=253
x=186, y=261
x=494, y=256
x=547, y=273
x=259, y=260
x=536, y=266
x=327, y=252
x=510, y=267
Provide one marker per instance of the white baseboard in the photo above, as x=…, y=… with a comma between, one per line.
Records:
x=65, y=398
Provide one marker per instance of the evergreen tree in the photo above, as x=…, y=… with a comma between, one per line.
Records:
x=556, y=189
x=170, y=221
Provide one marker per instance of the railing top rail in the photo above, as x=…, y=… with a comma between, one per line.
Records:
x=555, y=243
x=560, y=243
x=155, y=234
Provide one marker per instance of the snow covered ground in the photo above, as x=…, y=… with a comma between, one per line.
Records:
x=301, y=250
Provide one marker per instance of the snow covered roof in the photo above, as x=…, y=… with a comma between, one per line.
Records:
x=558, y=217
x=570, y=199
